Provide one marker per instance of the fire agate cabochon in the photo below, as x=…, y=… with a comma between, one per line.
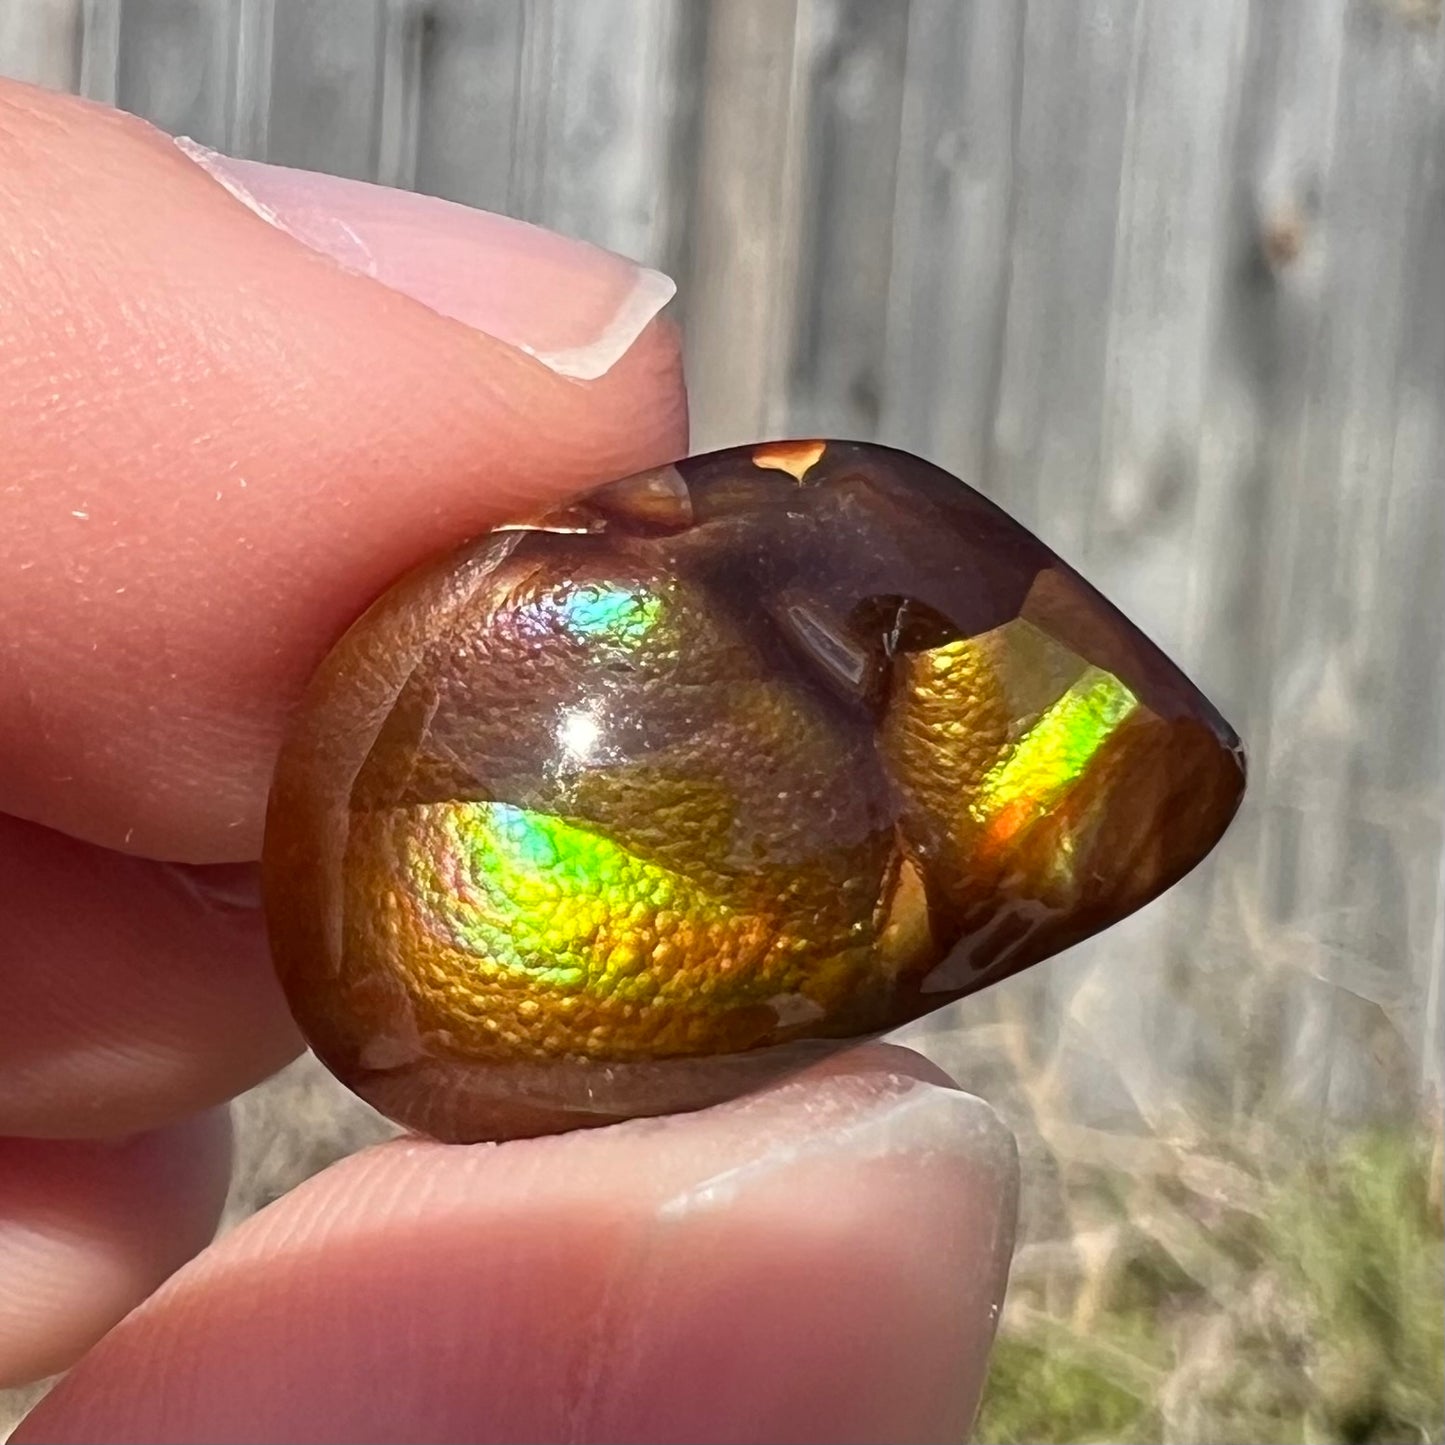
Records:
x=637, y=806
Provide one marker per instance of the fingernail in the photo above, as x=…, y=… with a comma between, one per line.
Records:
x=850, y=1119
x=845, y=1253
x=574, y=307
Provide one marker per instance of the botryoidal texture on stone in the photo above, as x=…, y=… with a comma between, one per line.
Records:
x=639, y=805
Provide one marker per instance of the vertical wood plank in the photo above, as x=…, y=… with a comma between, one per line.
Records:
x=1417, y=522
x=40, y=42
x=1077, y=65
x=852, y=76
x=605, y=120
x=175, y=64
x=398, y=106
x=100, y=50
x=1351, y=810
x=951, y=241
x=326, y=86
x=746, y=220
x=1259, y=390
x=248, y=122
x=470, y=61
x=1172, y=260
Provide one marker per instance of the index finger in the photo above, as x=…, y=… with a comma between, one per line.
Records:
x=221, y=443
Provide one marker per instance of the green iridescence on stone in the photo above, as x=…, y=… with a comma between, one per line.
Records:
x=532, y=895
x=1054, y=752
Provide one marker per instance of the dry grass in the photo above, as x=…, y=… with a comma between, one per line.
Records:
x=1290, y=1293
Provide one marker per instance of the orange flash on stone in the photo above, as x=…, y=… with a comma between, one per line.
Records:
x=795, y=458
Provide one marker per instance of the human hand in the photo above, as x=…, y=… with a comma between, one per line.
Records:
x=217, y=444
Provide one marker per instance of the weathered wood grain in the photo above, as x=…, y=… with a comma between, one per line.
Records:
x=952, y=221
x=741, y=273
x=40, y=41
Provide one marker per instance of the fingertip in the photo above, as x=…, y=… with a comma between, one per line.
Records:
x=222, y=445
x=136, y=992
x=88, y=1229
x=823, y=1262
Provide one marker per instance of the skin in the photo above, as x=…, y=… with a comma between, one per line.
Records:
x=160, y=345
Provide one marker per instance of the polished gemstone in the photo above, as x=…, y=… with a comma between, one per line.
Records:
x=640, y=804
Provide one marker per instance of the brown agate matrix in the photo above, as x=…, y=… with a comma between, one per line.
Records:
x=639, y=805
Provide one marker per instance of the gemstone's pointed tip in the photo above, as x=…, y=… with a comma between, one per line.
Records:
x=1234, y=761
x=1213, y=792
x=1223, y=729
x=1241, y=761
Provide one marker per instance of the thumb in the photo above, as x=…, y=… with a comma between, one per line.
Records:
x=820, y=1262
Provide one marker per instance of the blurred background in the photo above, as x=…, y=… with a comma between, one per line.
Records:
x=1167, y=280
